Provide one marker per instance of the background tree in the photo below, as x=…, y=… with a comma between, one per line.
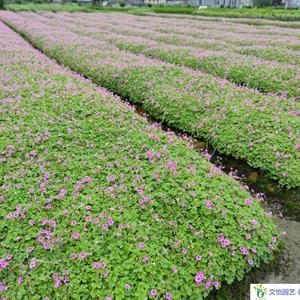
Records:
x=1, y=4
x=96, y=2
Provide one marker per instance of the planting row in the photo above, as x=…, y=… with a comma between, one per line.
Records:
x=261, y=129
x=241, y=69
x=208, y=35
x=97, y=203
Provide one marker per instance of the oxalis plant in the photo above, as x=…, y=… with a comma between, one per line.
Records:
x=260, y=129
x=97, y=203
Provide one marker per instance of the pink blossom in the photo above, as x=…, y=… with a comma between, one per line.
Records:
x=208, y=284
x=73, y=255
x=185, y=250
x=208, y=205
x=153, y=292
x=32, y=263
x=248, y=202
x=145, y=258
x=127, y=286
x=198, y=257
x=216, y=284
x=199, y=278
x=57, y=282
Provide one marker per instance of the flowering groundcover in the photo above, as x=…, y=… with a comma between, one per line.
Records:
x=260, y=129
x=96, y=203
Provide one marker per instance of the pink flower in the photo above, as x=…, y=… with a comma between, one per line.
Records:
x=127, y=286
x=254, y=222
x=225, y=243
x=208, y=283
x=248, y=202
x=141, y=246
x=198, y=257
x=220, y=238
x=168, y=296
x=153, y=292
x=57, y=282
x=73, y=255
x=32, y=263
x=174, y=269
x=75, y=235
x=244, y=250
x=184, y=250
x=96, y=265
x=3, y=264
x=199, y=278
x=3, y=287
x=145, y=258
x=216, y=284
x=208, y=205
x=83, y=255
x=20, y=280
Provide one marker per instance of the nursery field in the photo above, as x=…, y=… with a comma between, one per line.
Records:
x=103, y=194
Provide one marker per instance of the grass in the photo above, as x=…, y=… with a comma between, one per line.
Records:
x=256, y=13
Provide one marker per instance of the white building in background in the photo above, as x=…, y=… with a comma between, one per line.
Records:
x=223, y=3
x=157, y=2
x=291, y=3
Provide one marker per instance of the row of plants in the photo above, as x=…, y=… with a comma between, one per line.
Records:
x=266, y=76
x=261, y=22
x=241, y=39
x=261, y=129
x=98, y=203
x=269, y=13
x=268, y=43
